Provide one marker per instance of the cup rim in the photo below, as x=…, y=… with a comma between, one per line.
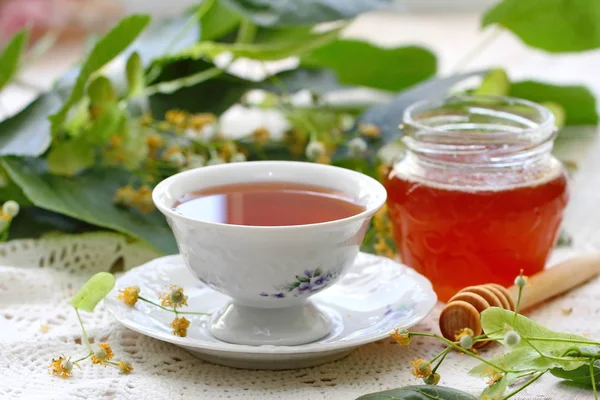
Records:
x=380, y=196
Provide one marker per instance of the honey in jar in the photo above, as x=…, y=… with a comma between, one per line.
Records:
x=478, y=196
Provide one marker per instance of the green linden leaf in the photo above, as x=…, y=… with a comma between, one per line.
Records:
x=551, y=25
x=93, y=291
x=106, y=49
x=360, y=63
x=580, y=375
x=218, y=21
x=577, y=102
x=520, y=360
x=28, y=132
x=278, y=47
x=497, y=389
x=495, y=83
x=10, y=57
x=495, y=319
x=424, y=392
x=89, y=197
x=69, y=157
x=300, y=12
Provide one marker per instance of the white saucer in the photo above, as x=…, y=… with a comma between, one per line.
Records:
x=374, y=297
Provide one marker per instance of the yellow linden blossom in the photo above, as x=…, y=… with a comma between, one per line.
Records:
x=401, y=336
x=421, y=368
x=125, y=195
x=198, y=121
x=382, y=248
x=261, y=135
x=369, y=130
x=464, y=332
x=146, y=119
x=124, y=366
x=115, y=141
x=174, y=298
x=5, y=217
x=296, y=141
x=103, y=354
x=177, y=118
x=169, y=151
x=61, y=367
x=129, y=295
x=180, y=326
x=143, y=200
x=323, y=159
x=154, y=142
x=227, y=150
x=494, y=378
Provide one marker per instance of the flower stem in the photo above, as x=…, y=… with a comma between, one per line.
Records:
x=593, y=378
x=173, y=310
x=518, y=302
x=541, y=339
x=443, y=355
x=461, y=349
x=83, y=358
x=535, y=378
x=84, y=333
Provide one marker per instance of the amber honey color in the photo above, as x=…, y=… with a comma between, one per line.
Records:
x=461, y=237
x=268, y=204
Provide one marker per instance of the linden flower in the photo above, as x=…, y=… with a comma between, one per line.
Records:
x=103, y=354
x=154, y=142
x=176, y=118
x=198, y=121
x=10, y=208
x=369, y=130
x=143, y=199
x=464, y=332
x=421, y=368
x=432, y=379
x=124, y=366
x=115, y=141
x=61, y=366
x=180, y=326
x=494, y=378
x=261, y=135
x=401, y=336
x=174, y=298
x=129, y=295
x=125, y=195
x=382, y=248
x=521, y=280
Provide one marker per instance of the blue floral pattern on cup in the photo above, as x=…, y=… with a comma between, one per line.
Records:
x=312, y=281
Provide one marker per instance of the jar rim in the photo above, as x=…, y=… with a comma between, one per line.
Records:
x=546, y=116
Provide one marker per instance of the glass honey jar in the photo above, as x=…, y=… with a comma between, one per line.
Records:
x=478, y=195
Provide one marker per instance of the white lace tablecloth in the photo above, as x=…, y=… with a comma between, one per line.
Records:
x=38, y=278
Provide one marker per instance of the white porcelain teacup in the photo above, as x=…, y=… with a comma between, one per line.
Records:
x=269, y=271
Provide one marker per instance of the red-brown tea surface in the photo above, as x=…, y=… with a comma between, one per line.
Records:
x=268, y=204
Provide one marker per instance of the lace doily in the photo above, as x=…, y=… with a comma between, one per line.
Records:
x=37, y=324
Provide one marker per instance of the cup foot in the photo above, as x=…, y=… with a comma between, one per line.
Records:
x=252, y=326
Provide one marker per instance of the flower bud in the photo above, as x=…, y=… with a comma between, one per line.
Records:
x=238, y=157
x=512, y=338
x=432, y=379
x=520, y=281
x=357, y=147
x=135, y=74
x=314, y=150
x=11, y=208
x=101, y=91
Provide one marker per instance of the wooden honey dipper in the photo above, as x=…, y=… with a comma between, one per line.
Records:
x=464, y=308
